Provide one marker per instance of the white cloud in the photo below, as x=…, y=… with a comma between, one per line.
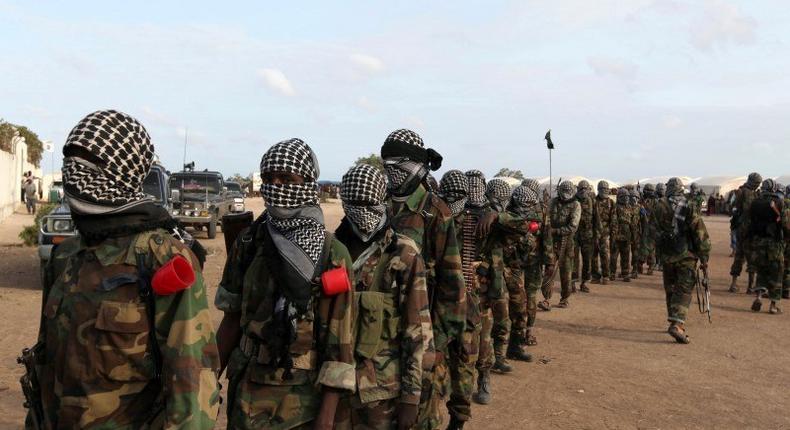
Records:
x=367, y=62
x=276, y=80
x=672, y=121
x=722, y=23
x=620, y=69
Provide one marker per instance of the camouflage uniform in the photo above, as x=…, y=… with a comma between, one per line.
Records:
x=565, y=213
x=393, y=333
x=531, y=281
x=585, y=235
x=648, y=251
x=786, y=232
x=636, y=233
x=741, y=218
x=92, y=292
x=683, y=240
x=427, y=220
x=261, y=393
x=622, y=235
x=766, y=225
x=602, y=219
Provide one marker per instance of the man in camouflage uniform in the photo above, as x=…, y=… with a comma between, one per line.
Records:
x=636, y=231
x=393, y=324
x=425, y=218
x=286, y=335
x=585, y=235
x=786, y=231
x=660, y=194
x=565, y=213
x=696, y=197
x=766, y=239
x=117, y=350
x=602, y=220
x=683, y=239
x=622, y=234
x=744, y=197
x=648, y=228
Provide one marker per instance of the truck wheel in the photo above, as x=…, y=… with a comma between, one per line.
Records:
x=212, y=229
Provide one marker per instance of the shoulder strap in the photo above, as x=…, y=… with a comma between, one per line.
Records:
x=147, y=295
x=248, y=245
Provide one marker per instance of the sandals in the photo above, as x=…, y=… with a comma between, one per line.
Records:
x=678, y=334
x=544, y=305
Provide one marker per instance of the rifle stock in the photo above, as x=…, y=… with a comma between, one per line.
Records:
x=233, y=225
x=30, y=386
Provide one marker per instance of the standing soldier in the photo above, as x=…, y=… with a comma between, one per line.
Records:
x=744, y=197
x=425, y=218
x=585, y=235
x=123, y=342
x=622, y=234
x=636, y=232
x=648, y=228
x=786, y=232
x=695, y=198
x=766, y=242
x=683, y=240
x=565, y=214
x=393, y=324
x=286, y=335
x=660, y=194
x=602, y=221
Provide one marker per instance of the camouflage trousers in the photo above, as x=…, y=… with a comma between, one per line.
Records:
x=353, y=414
x=462, y=361
x=648, y=252
x=533, y=278
x=435, y=386
x=517, y=303
x=500, y=326
x=786, y=278
x=622, y=249
x=564, y=255
x=636, y=252
x=485, y=358
x=742, y=254
x=768, y=254
x=600, y=261
x=584, y=258
x=679, y=281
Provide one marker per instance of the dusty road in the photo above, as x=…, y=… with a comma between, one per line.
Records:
x=608, y=361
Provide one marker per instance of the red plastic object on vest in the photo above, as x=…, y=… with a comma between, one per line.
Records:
x=534, y=226
x=176, y=275
x=335, y=281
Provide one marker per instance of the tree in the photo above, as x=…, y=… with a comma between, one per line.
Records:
x=35, y=148
x=7, y=133
x=510, y=173
x=373, y=160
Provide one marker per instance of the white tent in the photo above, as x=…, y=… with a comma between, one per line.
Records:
x=719, y=184
x=687, y=180
x=784, y=180
x=513, y=182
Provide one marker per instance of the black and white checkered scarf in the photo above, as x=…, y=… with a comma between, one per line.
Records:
x=362, y=191
x=107, y=157
x=296, y=222
x=566, y=191
x=532, y=184
x=404, y=173
x=477, y=188
x=498, y=193
x=454, y=189
x=523, y=199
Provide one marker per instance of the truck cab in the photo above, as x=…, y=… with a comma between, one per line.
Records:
x=200, y=199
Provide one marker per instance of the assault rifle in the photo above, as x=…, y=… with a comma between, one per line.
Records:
x=703, y=292
x=30, y=385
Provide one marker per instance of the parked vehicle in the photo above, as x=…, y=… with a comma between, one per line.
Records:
x=237, y=194
x=200, y=199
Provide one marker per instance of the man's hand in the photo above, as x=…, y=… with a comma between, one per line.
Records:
x=407, y=416
x=485, y=224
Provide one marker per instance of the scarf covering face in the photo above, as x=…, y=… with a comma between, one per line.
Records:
x=634, y=195
x=477, y=188
x=296, y=222
x=622, y=197
x=565, y=191
x=362, y=191
x=660, y=189
x=649, y=190
x=406, y=161
x=121, y=156
x=603, y=189
x=498, y=193
x=582, y=188
x=531, y=184
x=769, y=187
x=454, y=189
x=523, y=199
x=674, y=187
x=754, y=181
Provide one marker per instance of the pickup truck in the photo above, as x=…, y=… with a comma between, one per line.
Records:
x=200, y=199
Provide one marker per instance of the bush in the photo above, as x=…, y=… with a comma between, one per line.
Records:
x=29, y=234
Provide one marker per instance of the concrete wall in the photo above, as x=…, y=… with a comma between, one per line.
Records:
x=12, y=167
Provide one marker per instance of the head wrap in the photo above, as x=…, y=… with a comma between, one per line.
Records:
x=454, y=189
x=780, y=190
x=498, y=193
x=296, y=223
x=477, y=188
x=532, y=184
x=674, y=187
x=634, y=196
x=622, y=196
x=522, y=199
x=362, y=192
x=787, y=191
x=107, y=157
x=754, y=181
x=649, y=190
x=565, y=191
x=433, y=184
x=406, y=161
x=660, y=189
x=768, y=186
x=582, y=188
x=603, y=189
x=694, y=189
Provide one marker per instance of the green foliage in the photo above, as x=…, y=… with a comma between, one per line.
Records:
x=29, y=234
x=35, y=148
x=510, y=173
x=6, y=134
x=373, y=160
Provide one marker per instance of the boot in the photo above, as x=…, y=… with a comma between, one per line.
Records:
x=757, y=304
x=634, y=275
x=774, y=308
x=501, y=365
x=734, y=285
x=750, y=289
x=584, y=288
x=678, y=332
x=625, y=277
x=483, y=395
x=455, y=424
x=573, y=287
x=515, y=349
x=563, y=304
x=605, y=281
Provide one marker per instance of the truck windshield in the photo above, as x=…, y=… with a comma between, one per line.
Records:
x=191, y=185
x=233, y=187
x=152, y=186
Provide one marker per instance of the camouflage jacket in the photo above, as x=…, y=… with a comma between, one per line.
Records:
x=622, y=223
x=636, y=221
x=98, y=369
x=261, y=394
x=521, y=246
x=585, y=231
x=565, y=218
x=687, y=239
x=648, y=227
x=602, y=216
x=786, y=223
x=427, y=220
x=393, y=332
x=744, y=197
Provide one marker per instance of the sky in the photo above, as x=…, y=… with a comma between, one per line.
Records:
x=630, y=88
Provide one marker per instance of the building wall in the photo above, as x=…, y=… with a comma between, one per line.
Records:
x=12, y=167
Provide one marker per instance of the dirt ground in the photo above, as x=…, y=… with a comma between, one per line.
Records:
x=606, y=362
